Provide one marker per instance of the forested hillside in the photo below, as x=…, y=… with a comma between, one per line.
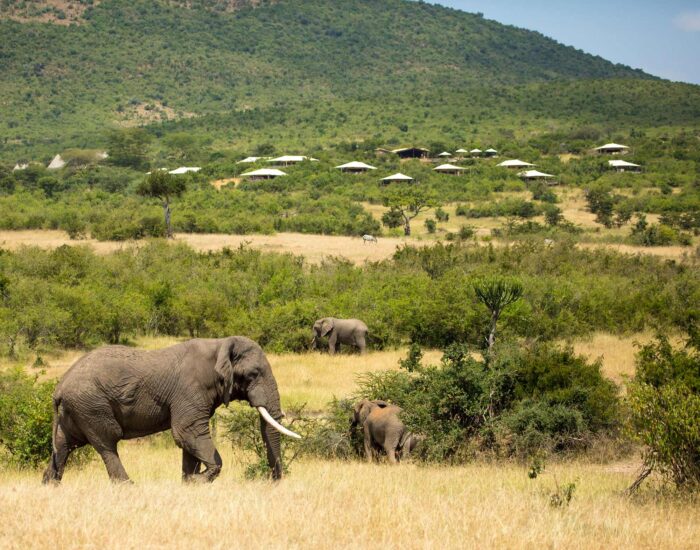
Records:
x=301, y=72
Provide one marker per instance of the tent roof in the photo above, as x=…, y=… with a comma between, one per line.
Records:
x=448, y=168
x=250, y=160
x=491, y=151
x=184, y=170
x=292, y=158
x=56, y=162
x=356, y=165
x=461, y=151
x=445, y=154
x=410, y=148
x=476, y=151
x=622, y=164
x=515, y=164
x=274, y=172
x=398, y=177
x=534, y=174
x=611, y=146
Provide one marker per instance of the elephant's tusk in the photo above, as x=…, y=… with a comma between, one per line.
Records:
x=276, y=425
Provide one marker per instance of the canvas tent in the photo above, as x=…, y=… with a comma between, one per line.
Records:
x=288, y=160
x=56, y=163
x=624, y=166
x=531, y=175
x=461, y=151
x=250, y=160
x=184, y=170
x=491, y=153
x=263, y=174
x=411, y=152
x=396, y=178
x=355, y=167
x=516, y=163
x=612, y=149
x=476, y=152
x=445, y=154
x=449, y=169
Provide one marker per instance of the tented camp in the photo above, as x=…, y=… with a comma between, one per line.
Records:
x=355, y=167
x=533, y=175
x=445, y=155
x=397, y=178
x=461, y=152
x=516, y=163
x=263, y=174
x=56, y=163
x=184, y=170
x=449, y=169
x=612, y=149
x=490, y=153
x=476, y=152
x=251, y=160
x=411, y=152
x=624, y=166
x=20, y=166
x=290, y=160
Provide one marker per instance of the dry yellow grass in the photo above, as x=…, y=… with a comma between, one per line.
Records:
x=336, y=505
x=340, y=504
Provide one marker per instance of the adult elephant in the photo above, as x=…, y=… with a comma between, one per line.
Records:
x=383, y=429
x=351, y=332
x=117, y=392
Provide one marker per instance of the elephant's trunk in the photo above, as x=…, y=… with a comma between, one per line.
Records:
x=271, y=437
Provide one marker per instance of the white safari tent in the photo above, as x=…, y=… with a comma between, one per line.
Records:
x=263, y=174
x=184, y=170
x=516, y=163
x=531, y=175
x=251, y=160
x=397, y=178
x=355, y=167
x=491, y=153
x=612, y=149
x=56, y=163
x=449, y=169
x=288, y=160
x=461, y=151
x=624, y=166
x=476, y=152
x=445, y=155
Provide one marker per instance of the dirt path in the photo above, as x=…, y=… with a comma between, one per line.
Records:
x=315, y=248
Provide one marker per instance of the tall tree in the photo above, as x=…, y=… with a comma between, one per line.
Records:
x=164, y=187
x=405, y=202
x=497, y=294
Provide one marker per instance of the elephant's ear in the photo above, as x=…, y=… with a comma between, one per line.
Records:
x=327, y=326
x=364, y=408
x=380, y=403
x=224, y=368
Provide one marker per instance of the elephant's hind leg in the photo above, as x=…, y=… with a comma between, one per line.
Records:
x=63, y=445
x=110, y=456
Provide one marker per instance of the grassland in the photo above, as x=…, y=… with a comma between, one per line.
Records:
x=342, y=504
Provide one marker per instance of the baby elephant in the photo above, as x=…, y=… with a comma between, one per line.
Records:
x=383, y=429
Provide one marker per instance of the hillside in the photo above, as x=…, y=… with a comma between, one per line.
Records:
x=311, y=71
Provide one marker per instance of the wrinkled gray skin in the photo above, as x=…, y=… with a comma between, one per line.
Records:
x=117, y=392
x=351, y=332
x=383, y=429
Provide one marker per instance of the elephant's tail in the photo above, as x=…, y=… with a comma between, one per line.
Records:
x=54, y=428
x=405, y=436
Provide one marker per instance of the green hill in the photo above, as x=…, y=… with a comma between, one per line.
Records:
x=302, y=72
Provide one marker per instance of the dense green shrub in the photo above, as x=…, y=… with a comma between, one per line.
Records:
x=664, y=401
x=26, y=413
x=527, y=401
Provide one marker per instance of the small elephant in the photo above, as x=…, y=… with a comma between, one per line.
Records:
x=383, y=429
x=352, y=332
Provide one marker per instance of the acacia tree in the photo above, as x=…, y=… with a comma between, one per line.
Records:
x=497, y=294
x=164, y=187
x=405, y=203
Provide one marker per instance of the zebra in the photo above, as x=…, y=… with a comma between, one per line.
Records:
x=369, y=239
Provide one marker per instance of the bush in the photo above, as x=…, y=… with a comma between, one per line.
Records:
x=529, y=401
x=26, y=413
x=664, y=400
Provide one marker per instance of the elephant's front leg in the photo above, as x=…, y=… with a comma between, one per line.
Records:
x=195, y=439
x=333, y=344
x=368, y=444
x=190, y=466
